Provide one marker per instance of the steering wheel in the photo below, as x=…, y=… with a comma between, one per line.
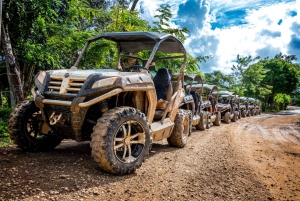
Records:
x=135, y=68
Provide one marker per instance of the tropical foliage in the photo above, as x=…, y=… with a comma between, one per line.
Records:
x=270, y=80
x=282, y=100
x=4, y=136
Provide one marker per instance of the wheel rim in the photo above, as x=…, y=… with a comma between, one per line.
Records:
x=129, y=141
x=33, y=126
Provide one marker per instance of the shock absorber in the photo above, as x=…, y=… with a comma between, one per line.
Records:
x=103, y=106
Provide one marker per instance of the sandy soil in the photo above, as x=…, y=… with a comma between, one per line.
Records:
x=256, y=158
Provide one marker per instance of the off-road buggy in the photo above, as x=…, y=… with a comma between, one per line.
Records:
x=257, y=107
x=209, y=104
x=254, y=108
x=251, y=106
x=204, y=112
x=236, y=105
x=244, y=107
x=121, y=111
x=227, y=107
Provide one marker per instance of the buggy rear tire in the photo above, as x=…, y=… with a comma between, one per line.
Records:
x=227, y=119
x=180, y=132
x=208, y=120
x=202, y=123
x=243, y=113
x=218, y=119
x=121, y=140
x=24, y=127
x=189, y=113
x=235, y=116
x=248, y=113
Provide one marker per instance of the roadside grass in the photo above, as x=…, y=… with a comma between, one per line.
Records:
x=271, y=110
x=4, y=136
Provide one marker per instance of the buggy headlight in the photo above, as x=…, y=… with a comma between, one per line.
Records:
x=40, y=77
x=104, y=82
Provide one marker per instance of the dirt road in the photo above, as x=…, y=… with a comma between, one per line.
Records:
x=257, y=158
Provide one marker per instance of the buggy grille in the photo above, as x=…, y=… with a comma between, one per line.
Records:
x=65, y=85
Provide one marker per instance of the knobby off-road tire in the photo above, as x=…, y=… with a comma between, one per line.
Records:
x=202, y=123
x=179, y=135
x=249, y=113
x=190, y=114
x=208, y=123
x=240, y=115
x=24, y=126
x=227, y=119
x=235, y=116
x=243, y=113
x=121, y=140
x=218, y=119
x=252, y=112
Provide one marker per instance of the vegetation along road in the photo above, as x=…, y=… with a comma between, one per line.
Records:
x=256, y=158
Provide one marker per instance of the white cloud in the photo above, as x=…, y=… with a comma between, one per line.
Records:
x=150, y=7
x=262, y=34
x=248, y=39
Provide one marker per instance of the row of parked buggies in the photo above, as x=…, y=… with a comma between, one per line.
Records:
x=214, y=106
x=121, y=111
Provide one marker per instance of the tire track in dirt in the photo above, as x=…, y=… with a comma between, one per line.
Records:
x=273, y=153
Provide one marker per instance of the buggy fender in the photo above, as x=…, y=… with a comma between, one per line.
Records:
x=176, y=104
x=152, y=101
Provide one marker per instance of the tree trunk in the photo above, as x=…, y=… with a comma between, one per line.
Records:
x=13, y=67
x=12, y=98
x=28, y=71
x=134, y=5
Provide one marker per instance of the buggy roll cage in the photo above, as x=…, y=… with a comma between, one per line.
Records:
x=137, y=41
x=195, y=83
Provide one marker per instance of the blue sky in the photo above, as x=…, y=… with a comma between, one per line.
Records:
x=225, y=28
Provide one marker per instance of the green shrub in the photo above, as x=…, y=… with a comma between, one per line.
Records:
x=5, y=112
x=296, y=101
x=282, y=100
x=4, y=136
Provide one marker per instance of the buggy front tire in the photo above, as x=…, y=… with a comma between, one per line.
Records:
x=25, y=125
x=202, y=123
x=121, y=140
